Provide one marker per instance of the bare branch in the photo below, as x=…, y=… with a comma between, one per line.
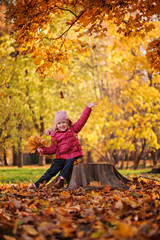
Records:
x=69, y=27
x=33, y=117
x=67, y=10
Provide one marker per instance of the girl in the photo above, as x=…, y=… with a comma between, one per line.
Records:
x=65, y=144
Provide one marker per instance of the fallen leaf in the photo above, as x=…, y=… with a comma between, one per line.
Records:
x=119, y=204
x=15, y=203
x=30, y=230
x=9, y=237
x=124, y=231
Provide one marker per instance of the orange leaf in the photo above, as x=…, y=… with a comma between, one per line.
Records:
x=124, y=231
x=77, y=161
x=107, y=188
x=9, y=237
x=61, y=94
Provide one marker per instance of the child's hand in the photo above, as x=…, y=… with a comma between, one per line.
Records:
x=94, y=104
x=40, y=151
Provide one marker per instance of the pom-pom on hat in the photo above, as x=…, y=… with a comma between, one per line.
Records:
x=60, y=116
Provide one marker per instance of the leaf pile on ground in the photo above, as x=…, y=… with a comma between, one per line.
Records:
x=27, y=214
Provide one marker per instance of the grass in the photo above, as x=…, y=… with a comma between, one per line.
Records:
x=142, y=173
x=30, y=174
x=128, y=172
x=25, y=174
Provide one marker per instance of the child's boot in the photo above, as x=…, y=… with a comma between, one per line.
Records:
x=59, y=183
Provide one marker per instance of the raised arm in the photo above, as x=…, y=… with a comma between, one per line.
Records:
x=77, y=126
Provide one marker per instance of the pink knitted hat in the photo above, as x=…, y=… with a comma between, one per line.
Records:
x=60, y=116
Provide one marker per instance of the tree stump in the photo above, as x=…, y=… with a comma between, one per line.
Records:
x=83, y=174
x=155, y=170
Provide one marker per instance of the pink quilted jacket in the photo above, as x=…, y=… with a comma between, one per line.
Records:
x=66, y=144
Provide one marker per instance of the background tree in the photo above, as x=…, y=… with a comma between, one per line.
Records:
x=120, y=64
x=83, y=51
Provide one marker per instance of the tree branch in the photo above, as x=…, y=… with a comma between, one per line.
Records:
x=142, y=150
x=33, y=117
x=70, y=26
x=67, y=10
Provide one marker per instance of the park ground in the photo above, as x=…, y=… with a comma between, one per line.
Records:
x=27, y=214
x=30, y=174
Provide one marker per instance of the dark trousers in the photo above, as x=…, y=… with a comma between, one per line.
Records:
x=57, y=165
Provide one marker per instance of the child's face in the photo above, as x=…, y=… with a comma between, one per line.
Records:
x=62, y=126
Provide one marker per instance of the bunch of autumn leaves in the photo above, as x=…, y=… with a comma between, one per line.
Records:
x=34, y=142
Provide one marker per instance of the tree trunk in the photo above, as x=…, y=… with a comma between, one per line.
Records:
x=138, y=158
x=5, y=158
x=122, y=164
x=42, y=161
x=106, y=174
x=20, y=156
x=135, y=165
x=155, y=170
x=127, y=166
x=109, y=157
x=20, y=159
x=154, y=157
x=89, y=157
x=14, y=157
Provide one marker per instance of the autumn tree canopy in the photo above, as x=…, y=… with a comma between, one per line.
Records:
x=100, y=47
x=51, y=31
